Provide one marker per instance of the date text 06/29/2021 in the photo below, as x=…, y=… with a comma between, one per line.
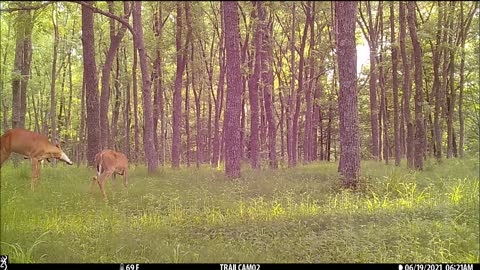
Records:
x=239, y=266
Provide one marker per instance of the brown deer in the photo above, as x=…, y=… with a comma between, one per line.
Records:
x=109, y=163
x=33, y=146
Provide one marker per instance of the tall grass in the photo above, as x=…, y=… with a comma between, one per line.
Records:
x=285, y=215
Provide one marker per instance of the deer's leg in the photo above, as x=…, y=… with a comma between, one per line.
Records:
x=125, y=178
x=113, y=179
x=34, y=172
x=101, y=181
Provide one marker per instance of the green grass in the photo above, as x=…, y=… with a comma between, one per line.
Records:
x=287, y=215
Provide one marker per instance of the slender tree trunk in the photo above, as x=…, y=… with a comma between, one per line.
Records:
x=81, y=138
x=116, y=109
x=7, y=49
x=290, y=132
x=396, y=118
x=158, y=88
x=177, y=95
x=282, y=128
x=373, y=87
x=17, y=69
x=298, y=102
x=70, y=85
x=267, y=82
x=437, y=87
x=219, y=99
x=149, y=147
x=308, y=136
x=347, y=103
x=27, y=59
x=462, y=82
x=197, y=96
x=383, y=94
x=115, y=40
x=127, y=109
x=135, y=106
x=406, y=88
x=91, y=85
x=417, y=54
x=317, y=121
x=187, y=116
x=451, y=83
x=234, y=93
x=253, y=88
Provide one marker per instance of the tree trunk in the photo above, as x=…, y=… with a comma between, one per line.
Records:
x=253, y=88
x=135, y=106
x=290, y=133
x=417, y=54
x=91, y=84
x=17, y=69
x=126, y=108
x=298, y=102
x=383, y=97
x=27, y=59
x=451, y=83
x=234, y=93
x=396, y=118
x=267, y=82
x=177, y=94
x=219, y=99
x=158, y=88
x=197, y=96
x=308, y=136
x=406, y=88
x=115, y=40
x=187, y=116
x=149, y=147
x=347, y=103
x=116, y=109
x=438, y=89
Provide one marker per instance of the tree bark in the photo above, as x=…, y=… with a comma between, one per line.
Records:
x=126, y=112
x=149, y=147
x=267, y=82
x=396, y=118
x=26, y=61
x=136, y=139
x=406, y=88
x=219, y=99
x=307, y=139
x=383, y=95
x=417, y=54
x=234, y=93
x=290, y=133
x=115, y=40
x=91, y=85
x=347, y=103
x=451, y=151
x=298, y=102
x=253, y=88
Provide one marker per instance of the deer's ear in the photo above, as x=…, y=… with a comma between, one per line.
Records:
x=57, y=143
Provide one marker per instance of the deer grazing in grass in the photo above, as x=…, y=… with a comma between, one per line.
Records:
x=109, y=163
x=31, y=145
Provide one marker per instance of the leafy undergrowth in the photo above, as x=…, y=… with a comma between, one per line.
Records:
x=287, y=215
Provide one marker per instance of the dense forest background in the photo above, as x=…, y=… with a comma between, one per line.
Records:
x=75, y=71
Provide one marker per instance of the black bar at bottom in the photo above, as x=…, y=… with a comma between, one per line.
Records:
x=248, y=266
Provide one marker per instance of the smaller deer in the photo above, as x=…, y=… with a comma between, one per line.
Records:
x=109, y=163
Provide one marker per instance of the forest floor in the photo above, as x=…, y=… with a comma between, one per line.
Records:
x=298, y=215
